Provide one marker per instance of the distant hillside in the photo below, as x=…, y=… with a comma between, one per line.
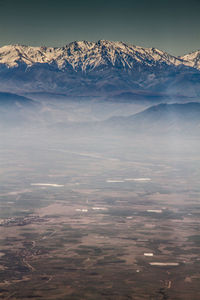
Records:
x=162, y=118
x=13, y=100
x=16, y=109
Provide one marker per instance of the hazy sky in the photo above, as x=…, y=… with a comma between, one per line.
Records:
x=171, y=25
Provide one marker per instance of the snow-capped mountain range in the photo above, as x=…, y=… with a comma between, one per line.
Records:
x=85, y=56
x=82, y=68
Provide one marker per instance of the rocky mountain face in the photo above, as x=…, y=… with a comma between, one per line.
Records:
x=110, y=69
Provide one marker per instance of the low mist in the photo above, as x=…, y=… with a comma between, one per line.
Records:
x=99, y=194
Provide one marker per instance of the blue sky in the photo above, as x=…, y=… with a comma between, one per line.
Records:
x=173, y=26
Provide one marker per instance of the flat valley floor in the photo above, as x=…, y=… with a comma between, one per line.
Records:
x=99, y=222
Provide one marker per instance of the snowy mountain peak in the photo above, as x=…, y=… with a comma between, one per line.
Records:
x=192, y=59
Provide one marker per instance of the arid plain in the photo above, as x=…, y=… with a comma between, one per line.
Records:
x=105, y=220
